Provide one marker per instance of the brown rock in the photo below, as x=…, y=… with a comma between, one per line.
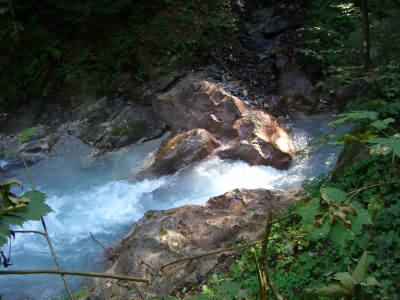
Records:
x=164, y=236
x=250, y=134
x=263, y=141
x=196, y=102
x=181, y=150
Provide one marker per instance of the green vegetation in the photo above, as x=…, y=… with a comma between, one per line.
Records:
x=56, y=49
x=340, y=241
x=16, y=210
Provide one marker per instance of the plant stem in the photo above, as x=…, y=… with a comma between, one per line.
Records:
x=264, y=255
x=63, y=272
x=46, y=234
x=29, y=231
x=210, y=253
x=55, y=258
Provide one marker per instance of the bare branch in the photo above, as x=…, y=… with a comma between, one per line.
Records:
x=210, y=253
x=86, y=274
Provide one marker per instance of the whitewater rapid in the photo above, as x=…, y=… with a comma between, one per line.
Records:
x=96, y=197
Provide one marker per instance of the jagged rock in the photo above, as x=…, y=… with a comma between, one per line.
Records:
x=196, y=102
x=164, y=236
x=263, y=141
x=114, y=124
x=249, y=134
x=179, y=151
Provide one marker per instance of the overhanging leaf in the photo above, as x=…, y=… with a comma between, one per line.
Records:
x=393, y=143
x=309, y=211
x=382, y=124
x=15, y=182
x=333, y=194
x=36, y=208
x=334, y=290
x=4, y=233
x=362, y=218
x=320, y=231
x=339, y=234
x=360, y=272
x=346, y=280
x=370, y=281
x=13, y=220
x=355, y=116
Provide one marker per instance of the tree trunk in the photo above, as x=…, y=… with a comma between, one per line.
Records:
x=366, y=58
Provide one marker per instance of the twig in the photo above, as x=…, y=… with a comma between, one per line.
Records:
x=354, y=193
x=264, y=254
x=46, y=234
x=97, y=241
x=63, y=272
x=27, y=171
x=210, y=253
x=224, y=249
x=29, y=231
x=55, y=258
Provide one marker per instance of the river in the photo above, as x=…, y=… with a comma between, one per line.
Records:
x=95, y=197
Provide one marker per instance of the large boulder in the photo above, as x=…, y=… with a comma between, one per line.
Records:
x=197, y=102
x=248, y=134
x=164, y=236
x=179, y=151
x=262, y=141
x=113, y=123
x=30, y=146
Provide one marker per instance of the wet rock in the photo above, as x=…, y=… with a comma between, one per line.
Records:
x=164, y=236
x=181, y=150
x=248, y=134
x=115, y=124
x=263, y=141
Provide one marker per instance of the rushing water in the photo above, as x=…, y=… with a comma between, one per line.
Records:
x=90, y=197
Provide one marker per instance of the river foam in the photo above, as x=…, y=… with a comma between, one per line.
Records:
x=93, y=197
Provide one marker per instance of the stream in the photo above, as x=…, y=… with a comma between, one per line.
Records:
x=95, y=197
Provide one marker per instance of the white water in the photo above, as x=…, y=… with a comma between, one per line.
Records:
x=89, y=197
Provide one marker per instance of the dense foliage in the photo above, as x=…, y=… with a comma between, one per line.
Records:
x=55, y=49
x=341, y=241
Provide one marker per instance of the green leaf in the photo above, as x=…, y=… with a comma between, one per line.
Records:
x=309, y=211
x=36, y=208
x=346, y=280
x=334, y=290
x=382, y=124
x=370, y=281
x=320, y=232
x=4, y=232
x=393, y=143
x=13, y=220
x=339, y=234
x=355, y=116
x=333, y=194
x=15, y=182
x=380, y=149
x=362, y=218
x=360, y=272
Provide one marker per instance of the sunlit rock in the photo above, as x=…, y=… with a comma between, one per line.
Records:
x=181, y=150
x=161, y=237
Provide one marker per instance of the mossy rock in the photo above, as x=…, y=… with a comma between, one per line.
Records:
x=128, y=128
x=351, y=153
